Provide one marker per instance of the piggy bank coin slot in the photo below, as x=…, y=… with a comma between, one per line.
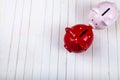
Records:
x=105, y=11
x=83, y=32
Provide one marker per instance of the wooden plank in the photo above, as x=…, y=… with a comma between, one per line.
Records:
x=113, y=56
x=118, y=44
x=38, y=21
x=47, y=40
x=23, y=37
x=7, y=21
x=55, y=32
x=62, y=56
x=13, y=55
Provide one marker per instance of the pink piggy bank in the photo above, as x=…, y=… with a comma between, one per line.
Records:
x=103, y=15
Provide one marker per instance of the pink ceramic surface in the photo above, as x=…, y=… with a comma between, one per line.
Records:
x=103, y=15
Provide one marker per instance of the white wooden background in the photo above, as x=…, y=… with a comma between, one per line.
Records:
x=31, y=42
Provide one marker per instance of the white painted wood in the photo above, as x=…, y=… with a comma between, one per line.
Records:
x=55, y=38
x=47, y=35
x=23, y=36
x=32, y=47
x=37, y=21
x=7, y=23
x=118, y=44
x=113, y=56
x=62, y=56
x=13, y=53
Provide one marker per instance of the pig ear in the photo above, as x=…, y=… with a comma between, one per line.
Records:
x=96, y=10
x=67, y=29
x=106, y=21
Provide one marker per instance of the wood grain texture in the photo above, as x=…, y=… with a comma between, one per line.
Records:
x=32, y=47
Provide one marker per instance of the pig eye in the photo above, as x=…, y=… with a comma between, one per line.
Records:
x=83, y=33
x=96, y=24
x=92, y=19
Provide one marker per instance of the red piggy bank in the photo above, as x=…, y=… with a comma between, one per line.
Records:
x=78, y=38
